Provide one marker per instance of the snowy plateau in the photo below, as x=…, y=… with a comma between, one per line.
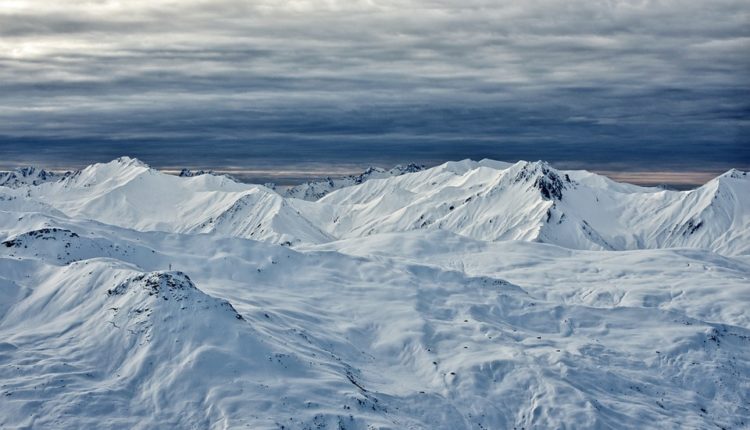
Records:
x=470, y=295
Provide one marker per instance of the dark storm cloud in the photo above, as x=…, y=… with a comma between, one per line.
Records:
x=615, y=83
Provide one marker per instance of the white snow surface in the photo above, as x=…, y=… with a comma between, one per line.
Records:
x=472, y=295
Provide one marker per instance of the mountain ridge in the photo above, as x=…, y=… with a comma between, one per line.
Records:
x=485, y=200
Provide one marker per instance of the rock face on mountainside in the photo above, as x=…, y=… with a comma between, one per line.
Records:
x=315, y=190
x=29, y=176
x=165, y=286
x=187, y=173
x=543, y=178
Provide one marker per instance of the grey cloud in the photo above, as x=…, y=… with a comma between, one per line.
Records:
x=641, y=81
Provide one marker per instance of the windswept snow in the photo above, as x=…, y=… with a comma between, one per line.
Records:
x=472, y=295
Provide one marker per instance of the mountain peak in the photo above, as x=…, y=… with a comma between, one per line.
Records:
x=129, y=161
x=29, y=175
x=317, y=189
x=41, y=234
x=156, y=282
x=734, y=174
x=169, y=287
x=546, y=179
x=408, y=168
x=187, y=173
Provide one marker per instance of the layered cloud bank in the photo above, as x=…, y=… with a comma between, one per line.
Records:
x=654, y=82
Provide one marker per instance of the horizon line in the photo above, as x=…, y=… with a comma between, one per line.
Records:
x=285, y=176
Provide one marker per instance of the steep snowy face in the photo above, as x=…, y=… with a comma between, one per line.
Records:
x=128, y=193
x=714, y=217
x=264, y=216
x=473, y=200
x=102, y=176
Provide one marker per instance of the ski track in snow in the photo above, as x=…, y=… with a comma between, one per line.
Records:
x=472, y=295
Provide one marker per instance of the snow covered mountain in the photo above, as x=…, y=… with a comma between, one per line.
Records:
x=472, y=295
x=534, y=202
x=483, y=200
x=314, y=190
x=29, y=176
x=128, y=193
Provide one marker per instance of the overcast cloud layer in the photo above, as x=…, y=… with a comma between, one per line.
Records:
x=593, y=83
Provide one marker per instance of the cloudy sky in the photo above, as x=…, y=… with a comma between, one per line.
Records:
x=330, y=84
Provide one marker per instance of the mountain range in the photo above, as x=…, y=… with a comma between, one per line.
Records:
x=473, y=294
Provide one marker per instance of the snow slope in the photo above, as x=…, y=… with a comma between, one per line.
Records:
x=134, y=299
x=325, y=339
x=697, y=283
